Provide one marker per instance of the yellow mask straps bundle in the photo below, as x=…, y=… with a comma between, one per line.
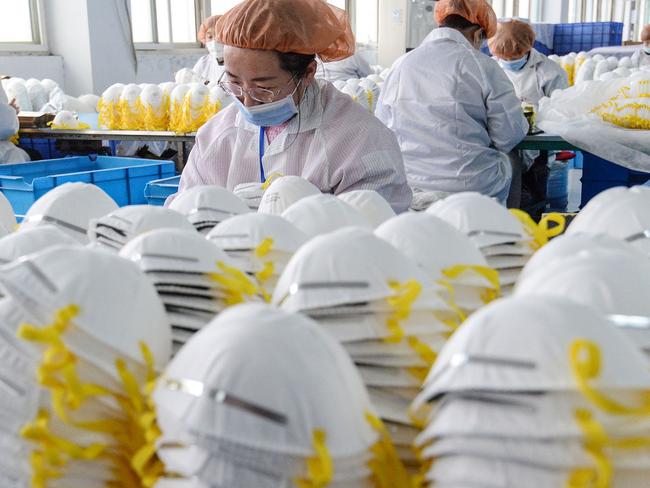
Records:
x=320, y=469
x=387, y=469
x=541, y=233
x=585, y=361
x=238, y=287
x=491, y=276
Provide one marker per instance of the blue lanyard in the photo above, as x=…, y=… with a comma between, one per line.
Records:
x=262, y=176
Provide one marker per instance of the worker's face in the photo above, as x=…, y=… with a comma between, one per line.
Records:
x=209, y=34
x=255, y=68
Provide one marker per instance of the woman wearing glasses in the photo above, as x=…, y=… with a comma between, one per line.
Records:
x=285, y=121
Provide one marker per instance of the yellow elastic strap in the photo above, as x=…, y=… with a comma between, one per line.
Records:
x=39, y=432
x=237, y=285
x=271, y=178
x=560, y=225
x=387, y=469
x=452, y=299
x=491, y=275
x=371, y=99
x=15, y=139
x=264, y=248
x=320, y=468
x=585, y=361
x=405, y=295
x=425, y=353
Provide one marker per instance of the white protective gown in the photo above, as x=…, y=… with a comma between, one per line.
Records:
x=208, y=68
x=640, y=58
x=9, y=152
x=539, y=78
x=333, y=142
x=353, y=67
x=456, y=116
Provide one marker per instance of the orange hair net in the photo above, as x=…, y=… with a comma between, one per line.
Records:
x=513, y=40
x=475, y=11
x=645, y=34
x=205, y=26
x=288, y=26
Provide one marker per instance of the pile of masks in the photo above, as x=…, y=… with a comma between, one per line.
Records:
x=630, y=108
x=537, y=391
x=169, y=106
x=78, y=368
x=194, y=278
x=205, y=206
x=383, y=308
x=364, y=91
x=583, y=67
x=67, y=120
x=260, y=245
x=507, y=239
x=447, y=256
x=46, y=96
x=265, y=398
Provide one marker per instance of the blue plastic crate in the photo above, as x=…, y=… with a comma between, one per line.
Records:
x=599, y=175
x=157, y=191
x=46, y=147
x=578, y=37
x=123, y=179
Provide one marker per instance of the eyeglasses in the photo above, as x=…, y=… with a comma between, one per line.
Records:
x=261, y=95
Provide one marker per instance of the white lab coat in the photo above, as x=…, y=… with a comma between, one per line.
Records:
x=333, y=142
x=208, y=68
x=456, y=116
x=9, y=153
x=539, y=78
x=640, y=58
x=353, y=67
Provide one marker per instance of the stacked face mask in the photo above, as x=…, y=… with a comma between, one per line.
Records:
x=112, y=231
x=623, y=213
x=370, y=204
x=259, y=244
x=387, y=313
x=447, y=256
x=7, y=216
x=537, y=391
x=205, y=206
x=283, y=192
x=323, y=213
x=507, y=239
x=194, y=278
x=615, y=282
x=69, y=207
x=262, y=397
x=82, y=334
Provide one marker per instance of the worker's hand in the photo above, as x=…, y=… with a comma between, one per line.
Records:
x=14, y=105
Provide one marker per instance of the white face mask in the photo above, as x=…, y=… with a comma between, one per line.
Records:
x=215, y=49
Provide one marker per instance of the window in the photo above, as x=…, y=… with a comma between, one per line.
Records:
x=366, y=22
x=525, y=9
x=20, y=25
x=165, y=23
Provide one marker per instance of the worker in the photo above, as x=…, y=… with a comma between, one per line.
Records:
x=642, y=56
x=453, y=109
x=353, y=67
x=284, y=121
x=210, y=66
x=9, y=152
x=533, y=75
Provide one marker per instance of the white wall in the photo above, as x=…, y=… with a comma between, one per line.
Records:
x=34, y=66
x=68, y=36
x=392, y=30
